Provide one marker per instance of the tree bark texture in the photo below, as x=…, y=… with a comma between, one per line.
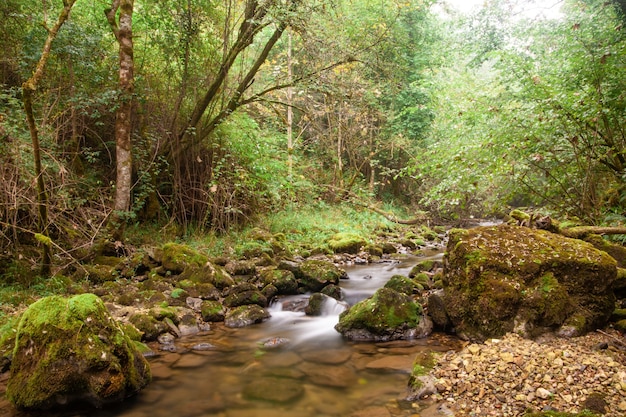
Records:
x=28, y=89
x=122, y=29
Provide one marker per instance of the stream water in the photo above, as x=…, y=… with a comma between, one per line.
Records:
x=315, y=374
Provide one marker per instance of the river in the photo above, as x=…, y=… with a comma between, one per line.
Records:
x=226, y=373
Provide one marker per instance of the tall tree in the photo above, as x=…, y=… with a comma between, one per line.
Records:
x=121, y=25
x=28, y=89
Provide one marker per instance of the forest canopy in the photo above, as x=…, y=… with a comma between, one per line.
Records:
x=222, y=111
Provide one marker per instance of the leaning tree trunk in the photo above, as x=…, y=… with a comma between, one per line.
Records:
x=28, y=89
x=122, y=29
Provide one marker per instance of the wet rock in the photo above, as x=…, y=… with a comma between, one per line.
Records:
x=372, y=412
x=72, y=350
x=327, y=356
x=245, y=315
x=387, y=315
x=393, y=363
x=322, y=305
x=274, y=343
x=313, y=275
x=334, y=291
x=277, y=390
x=188, y=325
x=329, y=376
x=507, y=278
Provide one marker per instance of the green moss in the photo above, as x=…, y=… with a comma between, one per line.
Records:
x=178, y=293
x=401, y=284
x=346, y=243
x=56, y=336
x=386, y=309
x=176, y=257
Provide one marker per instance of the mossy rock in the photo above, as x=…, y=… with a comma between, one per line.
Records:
x=423, y=280
x=388, y=248
x=212, y=311
x=499, y=279
x=176, y=257
x=402, y=284
x=387, y=315
x=314, y=274
x=374, y=250
x=98, y=274
x=70, y=350
x=333, y=291
x=209, y=274
x=245, y=316
x=618, y=252
x=150, y=327
x=241, y=267
x=426, y=265
x=346, y=243
x=284, y=281
x=429, y=234
x=246, y=298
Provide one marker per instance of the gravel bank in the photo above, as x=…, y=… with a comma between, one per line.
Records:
x=512, y=375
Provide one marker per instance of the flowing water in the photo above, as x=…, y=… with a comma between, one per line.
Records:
x=314, y=373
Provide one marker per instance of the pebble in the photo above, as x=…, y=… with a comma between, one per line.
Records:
x=507, y=376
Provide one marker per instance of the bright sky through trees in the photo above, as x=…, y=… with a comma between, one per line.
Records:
x=528, y=8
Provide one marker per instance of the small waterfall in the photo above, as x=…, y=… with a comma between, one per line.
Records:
x=332, y=307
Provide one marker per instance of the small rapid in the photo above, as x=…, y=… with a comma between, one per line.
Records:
x=249, y=372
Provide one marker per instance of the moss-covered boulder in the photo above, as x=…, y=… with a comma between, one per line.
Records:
x=346, y=243
x=72, y=351
x=387, y=315
x=315, y=274
x=245, y=316
x=175, y=257
x=402, y=284
x=505, y=278
x=284, y=280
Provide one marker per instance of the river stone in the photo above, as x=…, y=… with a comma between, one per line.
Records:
x=328, y=375
x=387, y=315
x=327, y=356
x=505, y=278
x=315, y=274
x=394, y=363
x=279, y=390
x=245, y=315
x=70, y=350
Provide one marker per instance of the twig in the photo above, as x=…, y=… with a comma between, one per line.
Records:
x=612, y=337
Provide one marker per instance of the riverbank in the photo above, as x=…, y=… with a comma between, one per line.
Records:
x=513, y=376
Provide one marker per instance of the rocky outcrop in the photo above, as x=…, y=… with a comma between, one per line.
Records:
x=387, y=315
x=515, y=279
x=72, y=351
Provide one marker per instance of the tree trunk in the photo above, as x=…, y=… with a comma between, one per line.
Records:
x=122, y=29
x=289, y=108
x=28, y=89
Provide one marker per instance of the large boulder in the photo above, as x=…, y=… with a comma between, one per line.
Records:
x=70, y=350
x=501, y=279
x=315, y=274
x=387, y=315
